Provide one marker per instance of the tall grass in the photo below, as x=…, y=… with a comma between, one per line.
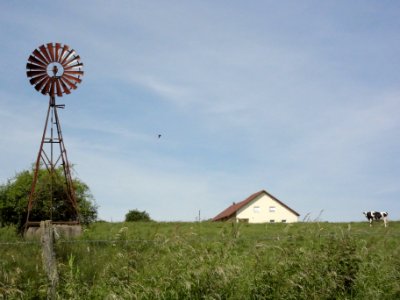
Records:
x=211, y=261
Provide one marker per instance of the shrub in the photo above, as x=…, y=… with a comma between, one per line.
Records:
x=137, y=216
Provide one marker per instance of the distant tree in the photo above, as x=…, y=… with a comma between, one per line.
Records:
x=14, y=196
x=137, y=216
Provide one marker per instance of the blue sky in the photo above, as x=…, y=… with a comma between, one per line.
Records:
x=300, y=98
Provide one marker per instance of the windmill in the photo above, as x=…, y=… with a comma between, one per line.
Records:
x=54, y=69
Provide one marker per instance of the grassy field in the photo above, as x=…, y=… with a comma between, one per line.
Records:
x=210, y=261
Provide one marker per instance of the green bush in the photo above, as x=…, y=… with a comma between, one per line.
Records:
x=137, y=216
x=50, y=199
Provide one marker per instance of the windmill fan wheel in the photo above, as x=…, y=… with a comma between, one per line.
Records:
x=54, y=69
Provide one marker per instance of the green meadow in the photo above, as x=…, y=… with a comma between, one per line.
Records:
x=206, y=260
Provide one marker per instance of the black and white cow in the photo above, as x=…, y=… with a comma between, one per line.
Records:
x=376, y=215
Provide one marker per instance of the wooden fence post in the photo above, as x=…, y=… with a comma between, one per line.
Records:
x=49, y=257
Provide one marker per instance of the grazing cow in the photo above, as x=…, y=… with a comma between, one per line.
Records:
x=376, y=215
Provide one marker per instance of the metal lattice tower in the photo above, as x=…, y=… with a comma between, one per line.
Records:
x=54, y=69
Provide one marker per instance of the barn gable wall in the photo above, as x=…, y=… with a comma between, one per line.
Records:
x=265, y=209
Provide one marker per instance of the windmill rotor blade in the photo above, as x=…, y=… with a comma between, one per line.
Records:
x=76, y=79
x=64, y=49
x=34, y=60
x=75, y=58
x=52, y=87
x=73, y=72
x=45, y=54
x=71, y=84
x=39, y=55
x=58, y=46
x=67, y=56
x=35, y=80
x=34, y=67
x=46, y=87
x=50, y=49
x=40, y=85
x=73, y=67
x=35, y=73
x=58, y=88
x=64, y=87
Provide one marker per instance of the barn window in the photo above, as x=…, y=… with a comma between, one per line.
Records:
x=272, y=209
x=256, y=209
x=283, y=221
x=272, y=221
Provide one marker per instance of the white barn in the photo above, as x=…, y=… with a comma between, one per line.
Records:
x=260, y=207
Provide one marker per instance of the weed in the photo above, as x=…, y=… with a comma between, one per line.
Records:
x=211, y=261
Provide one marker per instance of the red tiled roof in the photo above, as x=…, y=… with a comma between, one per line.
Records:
x=231, y=210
